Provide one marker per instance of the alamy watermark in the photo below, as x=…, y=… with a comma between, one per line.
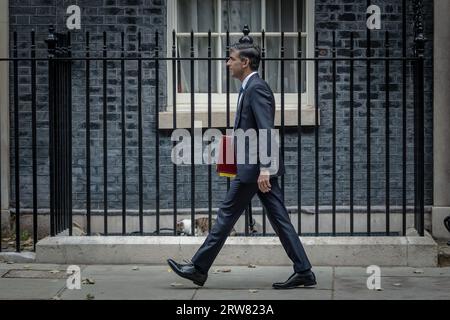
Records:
x=248, y=147
x=374, y=280
x=73, y=282
x=374, y=20
x=73, y=21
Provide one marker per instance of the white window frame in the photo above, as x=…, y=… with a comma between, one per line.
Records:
x=219, y=99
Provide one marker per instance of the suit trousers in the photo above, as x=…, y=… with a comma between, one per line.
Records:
x=237, y=199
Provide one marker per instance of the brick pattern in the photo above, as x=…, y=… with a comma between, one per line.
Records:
x=149, y=16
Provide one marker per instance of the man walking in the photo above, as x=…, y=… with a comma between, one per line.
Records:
x=256, y=110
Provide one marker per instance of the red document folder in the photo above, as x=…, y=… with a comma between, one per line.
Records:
x=226, y=161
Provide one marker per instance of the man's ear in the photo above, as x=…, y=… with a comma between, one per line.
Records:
x=246, y=62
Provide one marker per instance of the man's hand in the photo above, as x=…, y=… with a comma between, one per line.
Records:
x=264, y=181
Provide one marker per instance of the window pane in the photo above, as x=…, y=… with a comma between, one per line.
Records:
x=273, y=68
x=285, y=15
x=236, y=14
x=197, y=15
x=200, y=67
x=235, y=84
x=301, y=15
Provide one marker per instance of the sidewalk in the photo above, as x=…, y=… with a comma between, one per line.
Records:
x=143, y=282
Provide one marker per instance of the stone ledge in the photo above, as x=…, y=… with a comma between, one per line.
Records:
x=322, y=251
x=219, y=118
x=15, y=257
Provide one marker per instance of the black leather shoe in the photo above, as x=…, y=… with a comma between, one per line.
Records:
x=297, y=280
x=188, y=271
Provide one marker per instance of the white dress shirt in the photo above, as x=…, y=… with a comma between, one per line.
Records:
x=244, y=84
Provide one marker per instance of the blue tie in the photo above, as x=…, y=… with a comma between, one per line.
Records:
x=240, y=94
x=238, y=111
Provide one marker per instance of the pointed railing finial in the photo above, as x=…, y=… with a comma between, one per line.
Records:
x=51, y=41
x=246, y=38
x=419, y=29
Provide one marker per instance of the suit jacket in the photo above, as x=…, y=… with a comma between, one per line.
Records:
x=257, y=111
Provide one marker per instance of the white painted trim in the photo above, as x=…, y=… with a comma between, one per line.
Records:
x=219, y=46
x=201, y=101
x=4, y=104
x=263, y=14
x=310, y=44
x=171, y=18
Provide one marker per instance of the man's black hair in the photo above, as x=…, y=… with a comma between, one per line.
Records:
x=248, y=50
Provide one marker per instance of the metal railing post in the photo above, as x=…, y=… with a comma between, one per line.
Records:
x=419, y=52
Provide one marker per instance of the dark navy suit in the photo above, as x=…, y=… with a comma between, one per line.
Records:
x=255, y=111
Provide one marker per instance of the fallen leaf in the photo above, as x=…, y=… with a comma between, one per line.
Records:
x=176, y=284
x=90, y=296
x=169, y=270
x=88, y=281
x=223, y=270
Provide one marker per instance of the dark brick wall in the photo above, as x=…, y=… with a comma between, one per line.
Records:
x=112, y=16
x=149, y=16
x=343, y=17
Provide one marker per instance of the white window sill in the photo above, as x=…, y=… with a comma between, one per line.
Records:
x=219, y=116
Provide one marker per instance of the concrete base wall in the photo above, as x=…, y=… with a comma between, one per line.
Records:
x=166, y=221
x=5, y=223
x=360, y=251
x=437, y=217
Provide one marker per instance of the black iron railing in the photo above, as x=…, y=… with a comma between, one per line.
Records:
x=60, y=66
x=60, y=135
